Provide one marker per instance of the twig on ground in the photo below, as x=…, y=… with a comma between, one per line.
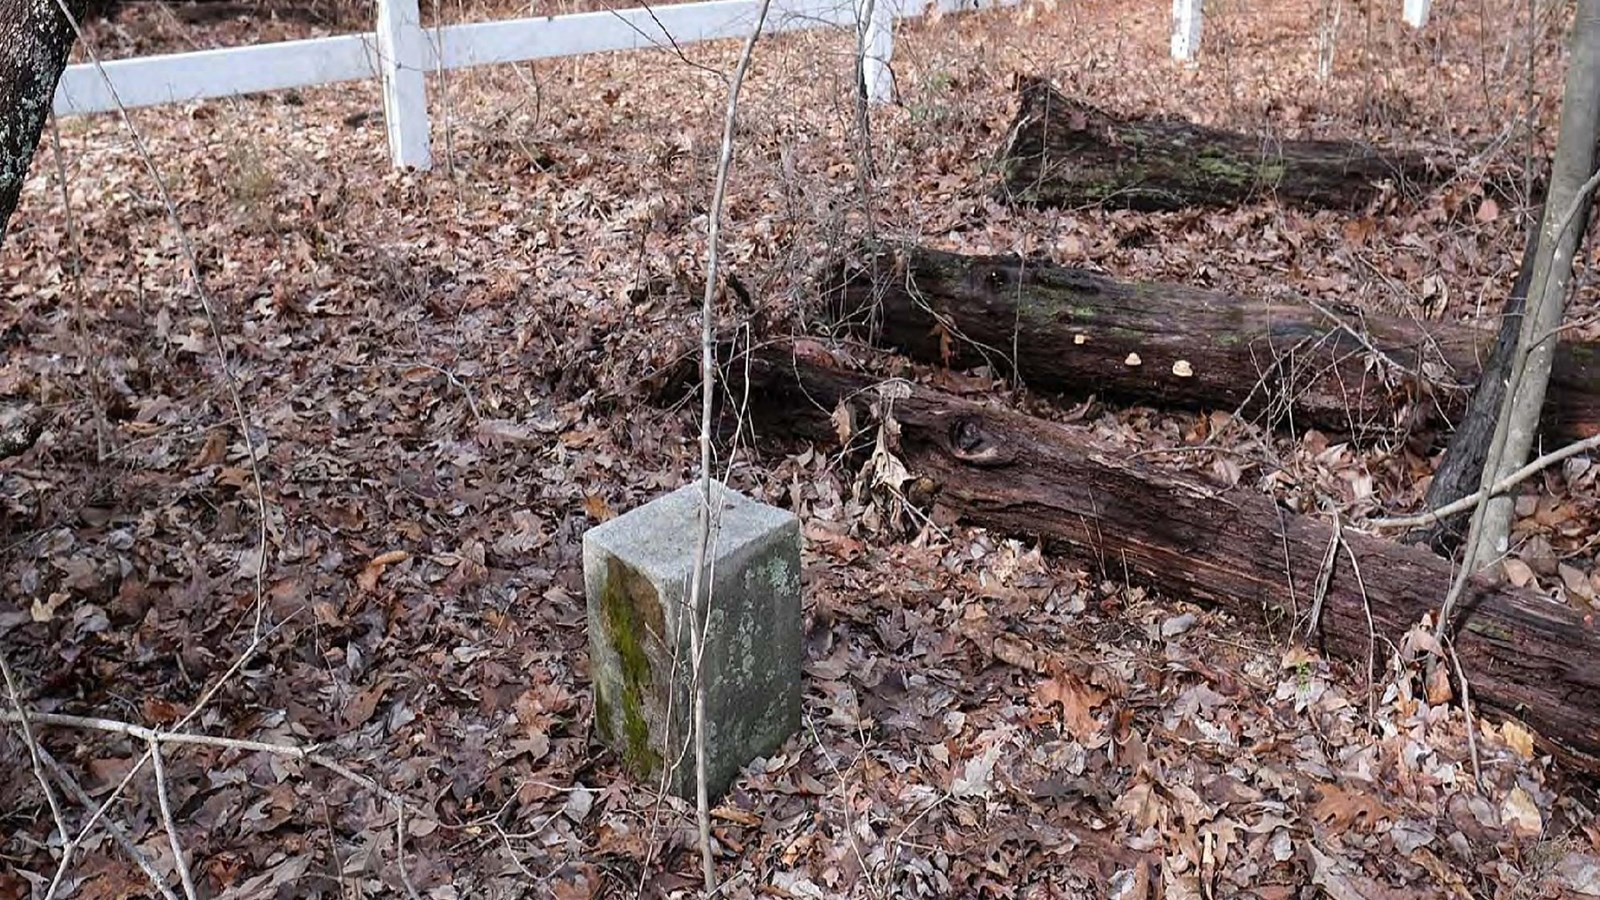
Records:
x=1372, y=631
x=1361, y=337
x=450, y=377
x=1505, y=484
x=1466, y=707
x=32, y=743
x=171, y=823
x=153, y=736
x=75, y=269
x=140, y=859
x=1324, y=576
x=844, y=801
x=400, y=851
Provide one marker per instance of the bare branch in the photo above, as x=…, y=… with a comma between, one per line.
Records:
x=32, y=743
x=170, y=822
x=152, y=736
x=1505, y=484
x=140, y=859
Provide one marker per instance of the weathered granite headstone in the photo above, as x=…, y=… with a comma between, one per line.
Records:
x=637, y=576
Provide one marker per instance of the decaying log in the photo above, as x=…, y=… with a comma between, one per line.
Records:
x=1073, y=332
x=1060, y=152
x=1525, y=655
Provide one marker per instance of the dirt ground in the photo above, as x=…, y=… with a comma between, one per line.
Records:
x=449, y=376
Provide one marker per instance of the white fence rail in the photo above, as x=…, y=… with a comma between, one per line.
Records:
x=400, y=53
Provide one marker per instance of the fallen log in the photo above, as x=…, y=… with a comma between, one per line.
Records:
x=1074, y=332
x=1525, y=656
x=1061, y=152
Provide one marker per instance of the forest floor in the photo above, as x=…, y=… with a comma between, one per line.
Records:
x=449, y=377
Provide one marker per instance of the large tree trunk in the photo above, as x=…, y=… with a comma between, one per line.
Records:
x=1525, y=656
x=1530, y=369
x=1074, y=332
x=34, y=41
x=1060, y=152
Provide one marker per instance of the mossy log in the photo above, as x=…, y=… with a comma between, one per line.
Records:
x=1074, y=332
x=1236, y=550
x=1062, y=152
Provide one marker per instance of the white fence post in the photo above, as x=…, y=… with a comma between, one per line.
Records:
x=1416, y=12
x=405, y=90
x=1186, y=29
x=876, y=18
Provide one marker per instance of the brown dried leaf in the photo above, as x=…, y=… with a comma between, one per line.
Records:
x=367, y=581
x=1438, y=689
x=1519, y=739
x=597, y=508
x=365, y=702
x=1346, y=807
x=212, y=452
x=1077, y=701
x=843, y=422
x=1518, y=572
x=1521, y=814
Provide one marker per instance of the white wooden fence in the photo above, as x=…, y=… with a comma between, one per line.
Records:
x=401, y=54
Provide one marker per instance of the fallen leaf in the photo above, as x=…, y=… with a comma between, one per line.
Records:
x=1519, y=813
x=597, y=508
x=158, y=711
x=843, y=424
x=212, y=452
x=365, y=702
x=1438, y=689
x=976, y=778
x=373, y=570
x=736, y=815
x=1346, y=807
x=1077, y=701
x=1519, y=739
x=1518, y=572
x=45, y=610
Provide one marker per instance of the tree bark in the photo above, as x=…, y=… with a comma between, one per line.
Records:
x=35, y=39
x=1061, y=152
x=1534, y=357
x=1236, y=550
x=1460, y=471
x=1074, y=332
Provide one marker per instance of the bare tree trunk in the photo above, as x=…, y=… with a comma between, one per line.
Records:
x=34, y=41
x=1460, y=472
x=1529, y=373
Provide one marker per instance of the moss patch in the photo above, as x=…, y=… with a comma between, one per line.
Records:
x=629, y=606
